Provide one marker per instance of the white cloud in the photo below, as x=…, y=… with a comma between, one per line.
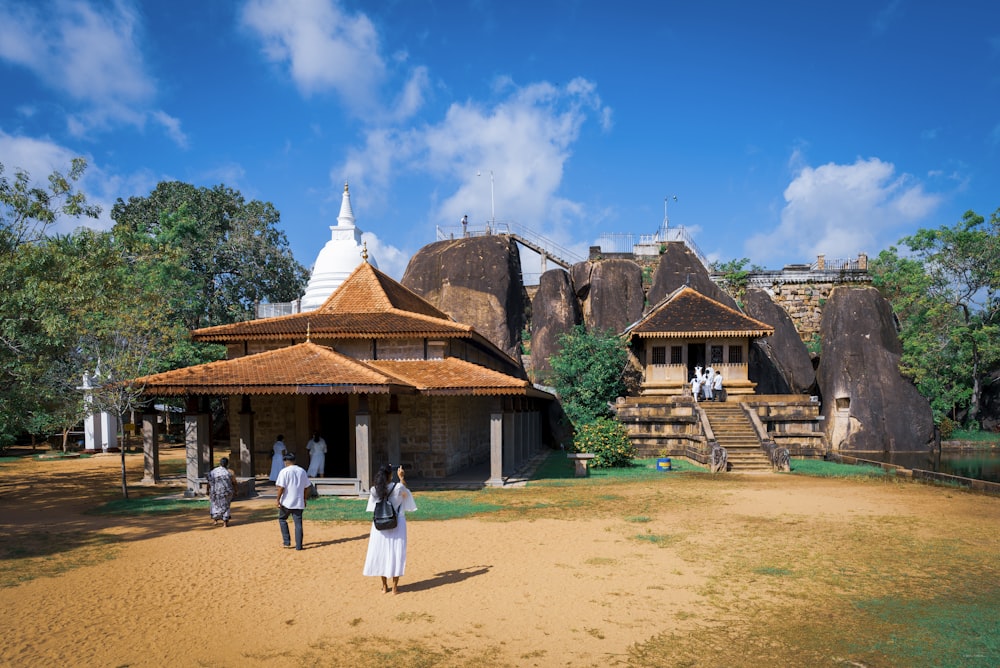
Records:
x=841, y=210
x=524, y=139
x=324, y=47
x=39, y=158
x=389, y=259
x=89, y=52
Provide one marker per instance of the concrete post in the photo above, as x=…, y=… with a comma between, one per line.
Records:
x=362, y=445
x=150, y=449
x=196, y=450
x=496, y=450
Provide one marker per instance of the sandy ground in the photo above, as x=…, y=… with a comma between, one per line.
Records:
x=576, y=591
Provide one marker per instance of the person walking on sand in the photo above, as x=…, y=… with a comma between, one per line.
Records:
x=221, y=490
x=386, y=556
x=293, y=485
x=278, y=450
x=317, y=456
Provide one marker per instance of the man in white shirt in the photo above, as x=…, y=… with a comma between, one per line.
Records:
x=292, y=484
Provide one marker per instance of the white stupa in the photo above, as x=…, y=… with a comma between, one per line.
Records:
x=339, y=257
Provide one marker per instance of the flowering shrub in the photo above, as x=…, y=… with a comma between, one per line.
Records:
x=607, y=440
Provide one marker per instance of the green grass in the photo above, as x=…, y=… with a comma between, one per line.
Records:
x=437, y=506
x=558, y=469
x=148, y=505
x=987, y=438
x=956, y=631
x=823, y=469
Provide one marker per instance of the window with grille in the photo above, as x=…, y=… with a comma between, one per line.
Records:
x=716, y=354
x=735, y=354
x=676, y=354
x=659, y=355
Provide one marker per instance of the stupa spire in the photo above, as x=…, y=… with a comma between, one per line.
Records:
x=346, y=217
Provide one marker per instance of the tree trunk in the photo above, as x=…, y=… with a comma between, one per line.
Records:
x=124, y=481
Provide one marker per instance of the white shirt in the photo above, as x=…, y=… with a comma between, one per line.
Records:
x=293, y=480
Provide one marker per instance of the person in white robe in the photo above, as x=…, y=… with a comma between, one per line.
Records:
x=276, y=462
x=386, y=556
x=317, y=456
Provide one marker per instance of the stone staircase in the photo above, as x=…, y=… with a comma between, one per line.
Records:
x=734, y=432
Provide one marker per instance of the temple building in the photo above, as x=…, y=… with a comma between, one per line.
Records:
x=688, y=330
x=380, y=373
x=337, y=259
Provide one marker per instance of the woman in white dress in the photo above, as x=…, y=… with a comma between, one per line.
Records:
x=276, y=462
x=386, y=556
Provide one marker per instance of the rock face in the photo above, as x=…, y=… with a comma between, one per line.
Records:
x=554, y=312
x=610, y=293
x=477, y=281
x=679, y=266
x=780, y=364
x=867, y=405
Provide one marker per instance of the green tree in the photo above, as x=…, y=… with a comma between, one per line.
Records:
x=735, y=276
x=944, y=294
x=34, y=364
x=588, y=372
x=225, y=255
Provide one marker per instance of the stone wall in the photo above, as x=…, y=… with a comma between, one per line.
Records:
x=804, y=304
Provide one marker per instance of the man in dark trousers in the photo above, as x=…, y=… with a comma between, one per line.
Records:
x=293, y=484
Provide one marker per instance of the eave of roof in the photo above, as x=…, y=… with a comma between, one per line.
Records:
x=305, y=368
x=453, y=376
x=687, y=313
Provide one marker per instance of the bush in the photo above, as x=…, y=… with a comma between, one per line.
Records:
x=946, y=427
x=607, y=440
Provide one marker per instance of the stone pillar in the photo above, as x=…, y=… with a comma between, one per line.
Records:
x=820, y=263
x=196, y=450
x=362, y=444
x=150, y=449
x=496, y=449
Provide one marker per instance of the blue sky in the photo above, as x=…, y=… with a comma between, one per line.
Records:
x=784, y=129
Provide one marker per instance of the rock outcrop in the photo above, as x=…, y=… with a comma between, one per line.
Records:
x=867, y=405
x=679, y=266
x=610, y=293
x=779, y=364
x=554, y=312
x=477, y=281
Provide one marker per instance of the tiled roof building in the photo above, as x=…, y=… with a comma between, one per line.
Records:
x=376, y=370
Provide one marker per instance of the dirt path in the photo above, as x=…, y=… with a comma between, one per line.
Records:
x=640, y=562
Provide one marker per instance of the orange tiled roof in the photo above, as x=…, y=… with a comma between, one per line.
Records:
x=368, y=304
x=688, y=313
x=452, y=376
x=305, y=368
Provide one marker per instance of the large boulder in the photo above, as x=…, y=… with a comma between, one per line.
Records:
x=780, y=363
x=610, y=293
x=678, y=266
x=867, y=405
x=554, y=312
x=477, y=281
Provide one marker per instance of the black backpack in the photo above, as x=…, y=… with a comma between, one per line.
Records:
x=384, y=516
